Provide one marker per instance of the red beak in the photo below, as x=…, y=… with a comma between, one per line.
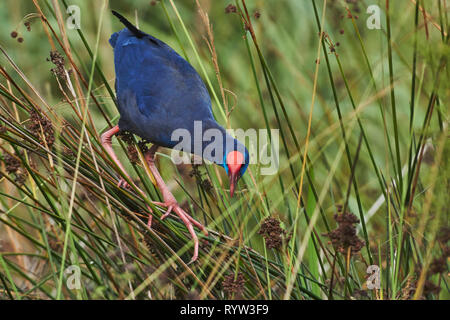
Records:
x=233, y=181
x=235, y=159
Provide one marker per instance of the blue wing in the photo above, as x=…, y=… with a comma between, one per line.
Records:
x=157, y=90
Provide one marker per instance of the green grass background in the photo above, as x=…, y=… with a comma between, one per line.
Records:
x=360, y=116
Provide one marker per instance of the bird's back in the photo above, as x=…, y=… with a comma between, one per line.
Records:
x=157, y=90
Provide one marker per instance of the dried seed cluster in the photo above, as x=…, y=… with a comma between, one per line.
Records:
x=58, y=60
x=14, y=35
x=230, y=285
x=230, y=9
x=411, y=286
x=38, y=121
x=430, y=288
x=204, y=183
x=68, y=152
x=27, y=25
x=132, y=154
x=14, y=166
x=273, y=233
x=127, y=137
x=408, y=290
x=438, y=265
x=331, y=46
x=344, y=236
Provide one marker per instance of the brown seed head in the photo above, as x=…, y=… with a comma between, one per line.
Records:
x=273, y=233
x=230, y=285
x=344, y=236
x=230, y=9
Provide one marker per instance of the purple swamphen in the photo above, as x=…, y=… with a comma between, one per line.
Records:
x=159, y=92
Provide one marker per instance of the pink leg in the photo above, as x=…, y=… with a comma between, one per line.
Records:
x=106, y=139
x=171, y=203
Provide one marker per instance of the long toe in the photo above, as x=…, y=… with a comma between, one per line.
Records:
x=187, y=220
x=171, y=208
x=180, y=212
x=149, y=221
x=123, y=184
x=166, y=205
x=196, y=223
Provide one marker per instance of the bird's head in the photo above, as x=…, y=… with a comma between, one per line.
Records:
x=235, y=164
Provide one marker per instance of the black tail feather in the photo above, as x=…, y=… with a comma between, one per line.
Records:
x=138, y=33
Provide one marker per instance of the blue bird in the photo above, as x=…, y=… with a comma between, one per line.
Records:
x=158, y=94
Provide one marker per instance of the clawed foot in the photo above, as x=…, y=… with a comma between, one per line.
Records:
x=123, y=184
x=172, y=206
x=169, y=201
